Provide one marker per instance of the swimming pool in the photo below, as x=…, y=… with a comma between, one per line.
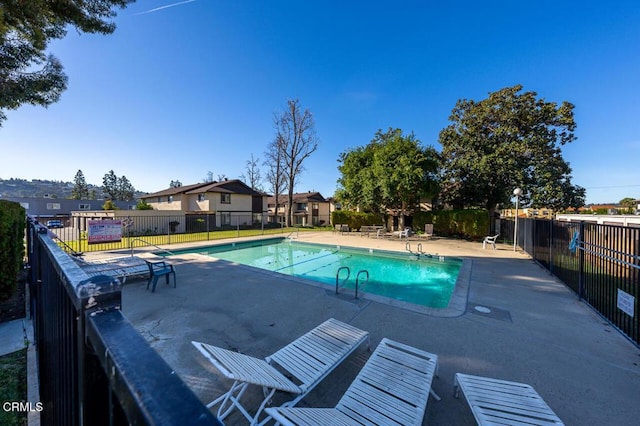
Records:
x=424, y=280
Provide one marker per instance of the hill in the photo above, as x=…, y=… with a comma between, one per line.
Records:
x=37, y=188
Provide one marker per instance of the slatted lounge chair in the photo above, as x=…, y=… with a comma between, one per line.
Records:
x=495, y=401
x=296, y=368
x=391, y=389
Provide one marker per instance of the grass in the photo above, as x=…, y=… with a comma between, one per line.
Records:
x=13, y=386
x=158, y=240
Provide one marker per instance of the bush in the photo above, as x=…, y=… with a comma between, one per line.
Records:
x=471, y=224
x=12, y=227
x=355, y=220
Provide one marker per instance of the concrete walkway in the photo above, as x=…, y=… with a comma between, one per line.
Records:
x=520, y=324
x=13, y=336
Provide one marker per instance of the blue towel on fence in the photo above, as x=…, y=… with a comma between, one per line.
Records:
x=573, y=245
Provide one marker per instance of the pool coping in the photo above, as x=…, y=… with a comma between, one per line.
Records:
x=457, y=302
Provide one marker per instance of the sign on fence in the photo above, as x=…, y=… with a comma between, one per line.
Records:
x=626, y=302
x=104, y=231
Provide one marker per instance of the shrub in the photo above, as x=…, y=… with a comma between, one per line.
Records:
x=12, y=227
x=472, y=223
x=355, y=220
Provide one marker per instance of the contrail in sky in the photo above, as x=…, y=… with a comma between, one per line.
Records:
x=164, y=7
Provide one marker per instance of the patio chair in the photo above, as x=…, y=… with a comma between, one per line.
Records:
x=160, y=269
x=490, y=240
x=296, y=368
x=391, y=389
x=402, y=234
x=495, y=401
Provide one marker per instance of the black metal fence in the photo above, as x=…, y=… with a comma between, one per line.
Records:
x=160, y=229
x=601, y=263
x=94, y=368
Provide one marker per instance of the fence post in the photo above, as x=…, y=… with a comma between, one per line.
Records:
x=551, y=223
x=580, y=246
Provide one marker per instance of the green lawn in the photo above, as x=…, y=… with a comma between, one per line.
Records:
x=13, y=386
x=81, y=245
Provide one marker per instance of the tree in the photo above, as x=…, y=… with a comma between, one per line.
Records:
x=143, y=205
x=296, y=135
x=393, y=172
x=117, y=188
x=126, y=191
x=509, y=140
x=80, y=189
x=209, y=177
x=275, y=177
x=629, y=205
x=109, y=205
x=253, y=178
x=27, y=74
x=175, y=184
x=110, y=185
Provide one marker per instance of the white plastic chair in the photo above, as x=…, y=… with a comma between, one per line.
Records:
x=490, y=240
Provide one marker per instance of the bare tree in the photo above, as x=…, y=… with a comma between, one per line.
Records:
x=296, y=135
x=275, y=177
x=253, y=177
x=209, y=177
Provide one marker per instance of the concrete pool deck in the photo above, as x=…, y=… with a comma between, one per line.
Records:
x=536, y=330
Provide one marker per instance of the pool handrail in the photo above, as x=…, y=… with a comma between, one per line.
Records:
x=149, y=244
x=358, y=277
x=338, y=275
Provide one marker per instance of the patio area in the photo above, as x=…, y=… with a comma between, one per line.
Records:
x=536, y=331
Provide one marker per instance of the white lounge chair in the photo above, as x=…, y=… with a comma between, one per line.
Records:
x=391, y=389
x=490, y=240
x=495, y=401
x=307, y=360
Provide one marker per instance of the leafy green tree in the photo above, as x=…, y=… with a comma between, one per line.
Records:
x=511, y=139
x=117, y=188
x=126, y=191
x=109, y=205
x=80, y=189
x=110, y=185
x=27, y=74
x=297, y=140
x=629, y=205
x=143, y=205
x=393, y=172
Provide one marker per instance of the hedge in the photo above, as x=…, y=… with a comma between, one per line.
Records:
x=355, y=220
x=470, y=224
x=12, y=226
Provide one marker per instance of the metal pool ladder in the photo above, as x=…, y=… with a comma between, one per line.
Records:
x=346, y=268
x=362, y=271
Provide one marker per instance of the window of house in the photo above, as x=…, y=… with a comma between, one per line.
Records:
x=84, y=207
x=159, y=199
x=302, y=206
x=169, y=198
x=200, y=197
x=315, y=206
x=225, y=219
x=53, y=206
x=225, y=198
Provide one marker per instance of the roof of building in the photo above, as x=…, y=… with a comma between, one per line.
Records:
x=299, y=197
x=232, y=186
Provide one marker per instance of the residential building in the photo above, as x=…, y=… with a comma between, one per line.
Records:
x=230, y=202
x=309, y=208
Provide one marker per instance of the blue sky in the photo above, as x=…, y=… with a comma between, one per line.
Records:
x=179, y=91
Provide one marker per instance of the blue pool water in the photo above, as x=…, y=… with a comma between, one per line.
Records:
x=423, y=280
